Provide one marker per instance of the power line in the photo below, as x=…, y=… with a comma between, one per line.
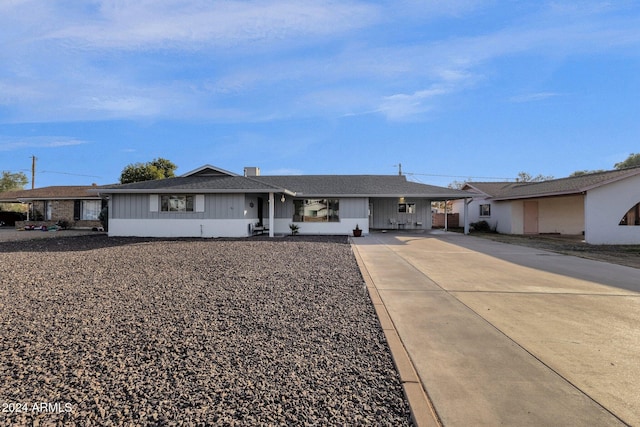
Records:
x=460, y=176
x=74, y=174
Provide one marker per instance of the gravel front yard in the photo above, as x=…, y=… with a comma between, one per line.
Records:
x=113, y=331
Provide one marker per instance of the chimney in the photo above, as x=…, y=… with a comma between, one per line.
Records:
x=251, y=171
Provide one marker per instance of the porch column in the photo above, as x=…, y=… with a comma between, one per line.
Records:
x=271, y=214
x=466, y=215
x=446, y=216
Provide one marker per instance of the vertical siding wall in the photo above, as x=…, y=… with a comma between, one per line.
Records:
x=350, y=207
x=138, y=206
x=353, y=211
x=385, y=210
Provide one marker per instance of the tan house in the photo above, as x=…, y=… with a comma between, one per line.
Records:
x=79, y=206
x=602, y=206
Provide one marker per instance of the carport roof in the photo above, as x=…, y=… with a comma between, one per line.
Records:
x=360, y=185
x=554, y=187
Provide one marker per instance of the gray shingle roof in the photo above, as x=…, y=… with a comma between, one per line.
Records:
x=359, y=185
x=210, y=184
x=302, y=185
x=554, y=187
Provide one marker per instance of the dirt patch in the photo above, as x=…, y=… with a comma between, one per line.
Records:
x=628, y=255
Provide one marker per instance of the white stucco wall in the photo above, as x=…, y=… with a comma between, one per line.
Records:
x=501, y=213
x=564, y=215
x=457, y=206
x=605, y=206
x=179, y=227
x=344, y=227
x=516, y=216
x=225, y=227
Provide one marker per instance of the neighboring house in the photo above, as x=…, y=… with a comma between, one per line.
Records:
x=213, y=202
x=77, y=205
x=604, y=206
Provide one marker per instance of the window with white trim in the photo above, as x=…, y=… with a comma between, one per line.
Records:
x=176, y=203
x=407, y=208
x=316, y=210
x=91, y=209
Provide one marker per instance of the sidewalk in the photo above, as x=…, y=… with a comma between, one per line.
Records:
x=507, y=335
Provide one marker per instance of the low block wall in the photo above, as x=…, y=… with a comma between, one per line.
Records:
x=82, y=224
x=453, y=220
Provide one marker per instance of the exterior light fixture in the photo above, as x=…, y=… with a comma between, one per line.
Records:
x=282, y=198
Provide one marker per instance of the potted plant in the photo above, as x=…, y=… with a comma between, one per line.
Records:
x=357, y=232
x=294, y=229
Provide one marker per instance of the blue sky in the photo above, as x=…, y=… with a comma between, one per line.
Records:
x=451, y=89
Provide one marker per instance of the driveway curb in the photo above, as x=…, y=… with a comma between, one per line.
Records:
x=423, y=413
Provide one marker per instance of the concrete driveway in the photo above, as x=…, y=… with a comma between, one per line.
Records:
x=508, y=335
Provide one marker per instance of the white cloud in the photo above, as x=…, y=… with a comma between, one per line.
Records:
x=171, y=23
x=9, y=143
x=401, y=106
x=264, y=60
x=532, y=97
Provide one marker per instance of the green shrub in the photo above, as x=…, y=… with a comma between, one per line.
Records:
x=481, y=226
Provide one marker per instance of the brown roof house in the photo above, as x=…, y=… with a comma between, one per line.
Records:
x=77, y=206
x=602, y=206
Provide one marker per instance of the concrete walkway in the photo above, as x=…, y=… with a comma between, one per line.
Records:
x=507, y=335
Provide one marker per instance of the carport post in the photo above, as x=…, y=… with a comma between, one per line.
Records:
x=271, y=214
x=466, y=215
x=446, y=222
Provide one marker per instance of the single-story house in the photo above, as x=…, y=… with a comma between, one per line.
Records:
x=212, y=202
x=79, y=206
x=602, y=206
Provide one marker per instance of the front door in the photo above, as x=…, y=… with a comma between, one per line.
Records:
x=260, y=210
x=530, y=217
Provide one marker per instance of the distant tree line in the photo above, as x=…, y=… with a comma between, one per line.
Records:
x=630, y=162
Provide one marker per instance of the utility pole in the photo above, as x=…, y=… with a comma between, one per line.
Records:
x=399, y=169
x=33, y=172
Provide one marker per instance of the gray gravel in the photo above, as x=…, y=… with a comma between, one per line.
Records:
x=123, y=331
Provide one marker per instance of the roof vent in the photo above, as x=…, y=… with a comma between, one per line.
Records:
x=251, y=171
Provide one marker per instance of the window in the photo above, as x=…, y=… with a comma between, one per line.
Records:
x=176, y=203
x=407, y=208
x=632, y=217
x=485, y=210
x=91, y=209
x=48, y=208
x=316, y=210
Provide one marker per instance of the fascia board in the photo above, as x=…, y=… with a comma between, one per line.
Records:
x=386, y=196
x=198, y=191
x=37, y=199
x=537, y=196
x=217, y=169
